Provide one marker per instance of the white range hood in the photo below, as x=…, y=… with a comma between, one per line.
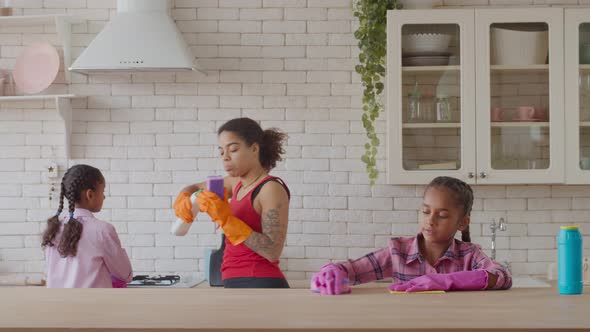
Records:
x=141, y=37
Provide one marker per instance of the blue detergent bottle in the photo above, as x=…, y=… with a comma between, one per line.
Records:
x=569, y=260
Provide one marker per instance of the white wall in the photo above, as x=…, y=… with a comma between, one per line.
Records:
x=287, y=63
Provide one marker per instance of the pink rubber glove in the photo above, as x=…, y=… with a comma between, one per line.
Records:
x=331, y=280
x=118, y=283
x=464, y=280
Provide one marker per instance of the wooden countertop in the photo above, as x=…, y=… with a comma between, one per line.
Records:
x=218, y=309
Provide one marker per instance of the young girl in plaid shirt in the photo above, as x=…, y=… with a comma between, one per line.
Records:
x=431, y=260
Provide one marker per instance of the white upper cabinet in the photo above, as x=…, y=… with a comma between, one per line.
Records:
x=430, y=95
x=519, y=80
x=476, y=94
x=577, y=95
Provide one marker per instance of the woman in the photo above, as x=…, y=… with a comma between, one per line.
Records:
x=255, y=220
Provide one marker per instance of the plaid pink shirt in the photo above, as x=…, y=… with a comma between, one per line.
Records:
x=402, y=261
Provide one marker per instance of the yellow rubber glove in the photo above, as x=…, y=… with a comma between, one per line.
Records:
x=183, y=207
x=234, y=228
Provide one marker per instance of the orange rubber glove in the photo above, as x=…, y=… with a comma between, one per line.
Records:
x=183, y=207
x=234, y=228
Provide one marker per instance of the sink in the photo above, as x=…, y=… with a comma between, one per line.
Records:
x=529, y=282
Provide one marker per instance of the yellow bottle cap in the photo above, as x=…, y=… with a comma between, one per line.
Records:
x=570, y=228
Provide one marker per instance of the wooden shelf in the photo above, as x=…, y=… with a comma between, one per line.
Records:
x=508, y=124
x=584, y=67
x=430, y=69
x=585, y=124
x=63, y=107
x=519, y=68
x=432, y=125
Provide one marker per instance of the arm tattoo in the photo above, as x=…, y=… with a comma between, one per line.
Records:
x=269, y=243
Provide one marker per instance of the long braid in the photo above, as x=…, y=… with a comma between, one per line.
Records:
x=53, y=223
x=68, y=246
x=75, y=181
x=465, y=236
x=61, y=199
x=463, y=194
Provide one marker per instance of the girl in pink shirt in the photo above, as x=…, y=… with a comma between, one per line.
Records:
x=80, y=250
x=432, y=260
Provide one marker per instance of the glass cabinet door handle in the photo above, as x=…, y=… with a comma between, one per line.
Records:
x=483, y=175
x=470, y=175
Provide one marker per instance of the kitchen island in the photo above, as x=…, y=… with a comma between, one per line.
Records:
x=217, y=309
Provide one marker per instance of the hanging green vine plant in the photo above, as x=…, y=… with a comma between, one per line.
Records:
x=372, y=38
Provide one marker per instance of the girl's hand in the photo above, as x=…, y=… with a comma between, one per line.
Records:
x=331, y=280
x=464, y=280
x=118, y=283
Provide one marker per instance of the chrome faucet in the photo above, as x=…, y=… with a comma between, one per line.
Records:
x=501, y=225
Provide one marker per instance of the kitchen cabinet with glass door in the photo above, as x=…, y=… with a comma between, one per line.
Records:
x=499, y=73
x=430, y=95
x=519, y=95
x=577, y=95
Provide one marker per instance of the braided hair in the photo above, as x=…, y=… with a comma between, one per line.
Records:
x=76, y=179
x=462, y=193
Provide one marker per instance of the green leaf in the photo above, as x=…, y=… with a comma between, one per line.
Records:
x=372, y=38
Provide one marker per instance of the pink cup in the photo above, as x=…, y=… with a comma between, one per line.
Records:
x=497, y=114
x=542, y=114
x=526, y=112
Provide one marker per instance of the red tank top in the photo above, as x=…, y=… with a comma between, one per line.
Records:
x=240, y=261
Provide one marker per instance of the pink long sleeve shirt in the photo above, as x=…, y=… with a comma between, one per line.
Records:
x=99, y=256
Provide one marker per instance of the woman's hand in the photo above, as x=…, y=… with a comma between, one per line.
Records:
x=211, y=204
x=183, y=207
x=234, y=229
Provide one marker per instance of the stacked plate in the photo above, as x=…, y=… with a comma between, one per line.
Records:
x=426, y=49
x=426, y=60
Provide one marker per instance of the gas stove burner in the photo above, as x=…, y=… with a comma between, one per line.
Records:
x=158, y=280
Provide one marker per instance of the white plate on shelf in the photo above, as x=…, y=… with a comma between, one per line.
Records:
x=425, y=53
x=435, y=60
x=451, y=165
x=36, y=68
x=425, y=42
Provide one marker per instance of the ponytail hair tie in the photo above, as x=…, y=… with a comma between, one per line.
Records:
x=72, y=214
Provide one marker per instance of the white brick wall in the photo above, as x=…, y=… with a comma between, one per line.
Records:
x=287, y=63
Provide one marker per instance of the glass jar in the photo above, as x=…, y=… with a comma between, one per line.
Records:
x=427, y=114
x=414, y=108
x=443, y=108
